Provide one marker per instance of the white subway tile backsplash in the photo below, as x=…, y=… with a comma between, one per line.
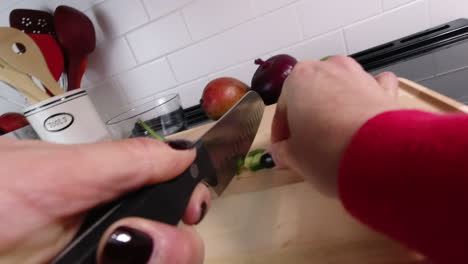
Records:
x=319, y=17
x=317, y=48
x=82, y=5
x=141, y=101
x=109, y=58
x=108, y=99
x=242, y=43
x=389, y=4
x=200, y=16
x=159, y=8
x=389, y=26
x=4, y=4
x=116, y=17
x=443, y=11
x=190, y=93
x=264, y=6
x=147, y=80
x=159, y=37
x=243, y=72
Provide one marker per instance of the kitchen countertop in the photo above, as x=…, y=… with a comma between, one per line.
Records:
x=273, y=216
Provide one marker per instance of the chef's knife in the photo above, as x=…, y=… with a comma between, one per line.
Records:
x=218, y=151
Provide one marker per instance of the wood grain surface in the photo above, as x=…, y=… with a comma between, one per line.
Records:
x=273, y=216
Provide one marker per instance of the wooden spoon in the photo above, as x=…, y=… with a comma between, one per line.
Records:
x=76, y=34
x=29, y=61
x=22, y=83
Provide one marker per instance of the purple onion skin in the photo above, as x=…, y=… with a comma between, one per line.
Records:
x=269, y=78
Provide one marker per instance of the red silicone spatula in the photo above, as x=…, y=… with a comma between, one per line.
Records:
x=76, y=34
x=51, y=52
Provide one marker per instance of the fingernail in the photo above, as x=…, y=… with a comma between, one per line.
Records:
x=266, y=160
x=180, y=144
x=202, y=212
x=127, y=245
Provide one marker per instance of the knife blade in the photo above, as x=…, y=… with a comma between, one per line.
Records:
x=217, y=153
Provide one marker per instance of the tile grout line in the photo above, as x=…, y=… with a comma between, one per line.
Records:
x=367, y=19
x=166, y=56
x=402, y=6
x=146, y=11
x=212, y=35
x=141, y=63
x=299, y=22
x=172, y=70
x=345, y=41
x=133, y=54
x=184, y=19
x=431, y=19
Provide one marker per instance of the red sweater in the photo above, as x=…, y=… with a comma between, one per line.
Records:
x=405, y=174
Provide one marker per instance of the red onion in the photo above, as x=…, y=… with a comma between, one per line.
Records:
x=269, y=78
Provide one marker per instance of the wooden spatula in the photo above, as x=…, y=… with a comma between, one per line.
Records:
x=23, y=84
x=30, y=61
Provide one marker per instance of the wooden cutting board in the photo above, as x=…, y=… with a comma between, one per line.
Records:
x=272, y=216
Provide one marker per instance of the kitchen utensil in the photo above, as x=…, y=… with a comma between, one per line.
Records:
x=52, y=53
x=163, y=114
x=32, y=21
x=22, y=83
x=217, y=153
x=12, y=121
x=29, y=60
x=76, y=34
x=83, y=65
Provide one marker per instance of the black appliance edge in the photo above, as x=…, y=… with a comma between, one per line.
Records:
x=413, y=45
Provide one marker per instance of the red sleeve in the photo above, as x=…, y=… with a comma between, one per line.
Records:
x=405, y=174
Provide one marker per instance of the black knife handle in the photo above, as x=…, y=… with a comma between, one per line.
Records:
x=164, y=202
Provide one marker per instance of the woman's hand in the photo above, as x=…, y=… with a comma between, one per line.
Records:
x=321, y=107
x=46, y=189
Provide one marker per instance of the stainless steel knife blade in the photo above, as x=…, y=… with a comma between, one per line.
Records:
x=231, y=137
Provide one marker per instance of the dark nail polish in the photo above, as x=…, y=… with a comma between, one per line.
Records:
x=180, y=144
x=266, y=160
x=127, y=245
x=202, y=213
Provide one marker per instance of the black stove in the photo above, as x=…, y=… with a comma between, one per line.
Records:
x=436, y=58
